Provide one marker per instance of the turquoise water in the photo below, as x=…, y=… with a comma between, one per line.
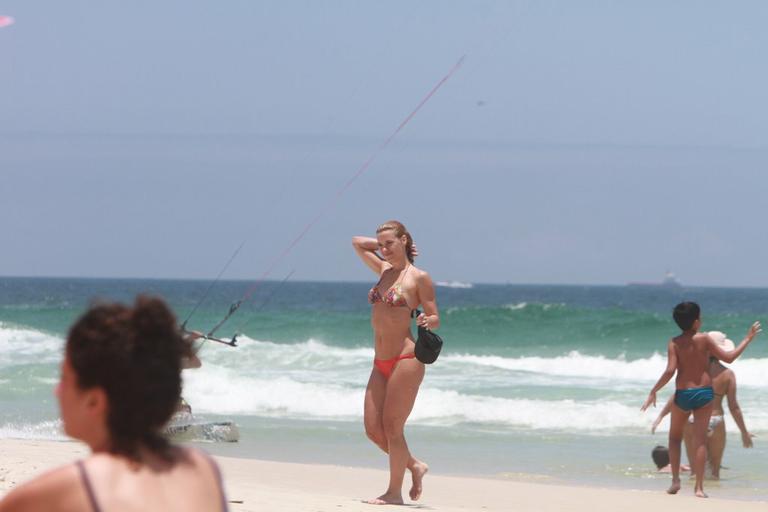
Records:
x=543, y=380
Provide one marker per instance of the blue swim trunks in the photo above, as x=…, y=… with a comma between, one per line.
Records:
x=693, y=398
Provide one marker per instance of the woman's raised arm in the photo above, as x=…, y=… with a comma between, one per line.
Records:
x=366, y=247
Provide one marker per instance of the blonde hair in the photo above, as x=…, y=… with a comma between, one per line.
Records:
x=399, y=230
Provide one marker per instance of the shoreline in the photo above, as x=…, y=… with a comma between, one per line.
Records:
x=254, y=484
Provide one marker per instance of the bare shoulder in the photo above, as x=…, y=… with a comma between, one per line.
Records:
x=201, y=461
x=672, y=352
x=703, y=341
x=424, y=281
x=194, y=455
x=422, y=276
x=55, y=490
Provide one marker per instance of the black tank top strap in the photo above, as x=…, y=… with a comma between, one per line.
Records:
x=88, y=487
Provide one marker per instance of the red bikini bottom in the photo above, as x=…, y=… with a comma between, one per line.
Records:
x=387, y=366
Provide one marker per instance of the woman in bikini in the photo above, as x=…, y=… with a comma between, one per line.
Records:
x=120, y=382
x=724, y=385
x=396, y=374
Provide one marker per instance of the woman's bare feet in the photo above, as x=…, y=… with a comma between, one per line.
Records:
x=674, y=487
x=386, y=499
x=417, y=474
x=701, y=494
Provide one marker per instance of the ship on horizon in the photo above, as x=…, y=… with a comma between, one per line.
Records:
x=669, y=282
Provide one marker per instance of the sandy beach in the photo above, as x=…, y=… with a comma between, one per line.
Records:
x=256, y=485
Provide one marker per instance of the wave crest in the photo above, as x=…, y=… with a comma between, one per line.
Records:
x=20, y=345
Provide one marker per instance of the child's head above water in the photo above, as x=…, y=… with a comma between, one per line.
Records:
x=660, y=456
x=686, y=314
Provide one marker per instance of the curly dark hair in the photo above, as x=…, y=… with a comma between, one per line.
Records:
x=134, y=354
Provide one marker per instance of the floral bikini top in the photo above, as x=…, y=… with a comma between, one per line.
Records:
x=394, y=297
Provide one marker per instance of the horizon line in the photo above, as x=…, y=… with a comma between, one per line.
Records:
x=330, y=281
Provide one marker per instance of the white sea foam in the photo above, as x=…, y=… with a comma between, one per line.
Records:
x=573, y=364
x=49, y=430
x=454, y=284
x=221, y=392
x=316, y=381
x=449, y=407
x=519, y=306
x=750, y=372
x=49, y=381
x=309, y=361
x=315, y=357
x=25, y=346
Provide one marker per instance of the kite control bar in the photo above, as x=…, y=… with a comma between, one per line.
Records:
x=199, y=336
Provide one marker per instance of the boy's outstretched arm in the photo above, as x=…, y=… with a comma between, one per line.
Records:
x=668, y=373
x=731, y=356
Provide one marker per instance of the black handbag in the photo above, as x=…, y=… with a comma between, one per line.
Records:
x=428, y=344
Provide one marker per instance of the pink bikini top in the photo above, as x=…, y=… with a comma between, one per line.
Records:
x=394, y=297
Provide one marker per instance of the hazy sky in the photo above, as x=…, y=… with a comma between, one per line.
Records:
x=581, y=142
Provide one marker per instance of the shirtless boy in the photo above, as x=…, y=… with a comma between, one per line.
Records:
x=723, y=385
x=688, y=354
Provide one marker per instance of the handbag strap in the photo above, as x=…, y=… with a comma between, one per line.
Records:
x=414, y=314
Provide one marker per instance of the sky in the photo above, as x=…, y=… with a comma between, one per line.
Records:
x=593, y=142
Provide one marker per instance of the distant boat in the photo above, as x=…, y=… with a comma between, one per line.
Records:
x=454, y=284
x=669, y=282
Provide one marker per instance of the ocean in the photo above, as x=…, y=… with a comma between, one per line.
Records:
x=534, y=382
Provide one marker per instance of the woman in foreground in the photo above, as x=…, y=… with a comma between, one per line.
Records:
x=120, y=382
x=397, y=374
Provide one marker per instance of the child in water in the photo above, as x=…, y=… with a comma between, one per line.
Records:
x=660, y=456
